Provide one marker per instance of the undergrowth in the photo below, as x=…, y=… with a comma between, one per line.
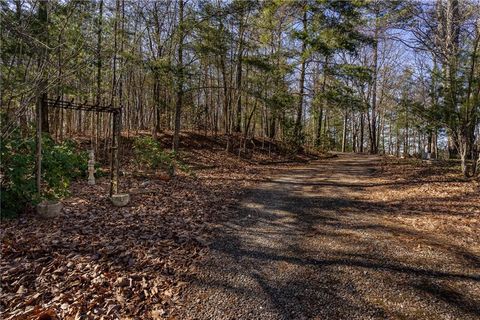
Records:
x=61, y=163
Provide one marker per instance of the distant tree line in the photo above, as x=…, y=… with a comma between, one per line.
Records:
x=390, y=77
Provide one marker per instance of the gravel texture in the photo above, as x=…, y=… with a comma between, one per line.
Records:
x=309, y=244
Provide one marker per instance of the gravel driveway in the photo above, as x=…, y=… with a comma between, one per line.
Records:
x=306, y=244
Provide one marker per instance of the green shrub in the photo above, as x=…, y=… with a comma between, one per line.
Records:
x=150, y=154
x=327, y=142
x=292, y=140
x=60, y=165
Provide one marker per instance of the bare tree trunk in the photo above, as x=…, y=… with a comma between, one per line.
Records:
x=38, y=149
x=99, y=74
x=429, y=144
x=344, y=135
x=114, y=118
x=373, y=120
x=362, y=131
x=43, y=35
x=239, y=80
x=226, y=97
x=41, y=106
x=114, y=166
x=318, y=140
x=179, y=102
x=298, y=122
x=463, y=150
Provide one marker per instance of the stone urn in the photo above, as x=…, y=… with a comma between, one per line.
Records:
x=49, y=208
x=120, y=199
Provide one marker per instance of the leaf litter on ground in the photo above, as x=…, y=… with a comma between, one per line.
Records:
x=100, y=261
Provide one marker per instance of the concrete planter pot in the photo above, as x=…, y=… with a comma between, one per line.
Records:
x=49, y=209
x=120, y=200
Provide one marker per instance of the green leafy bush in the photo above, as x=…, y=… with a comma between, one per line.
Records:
x=327, y=142
x=61, y=163
x=292, y=140
x=150, y=154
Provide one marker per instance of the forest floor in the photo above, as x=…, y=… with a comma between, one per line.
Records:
x=99, y=261
x=350, y=237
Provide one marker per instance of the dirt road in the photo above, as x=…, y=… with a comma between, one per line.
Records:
x=308, y=244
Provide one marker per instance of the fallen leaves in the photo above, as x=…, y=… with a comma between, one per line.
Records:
x=99, y=261
x=430, y=199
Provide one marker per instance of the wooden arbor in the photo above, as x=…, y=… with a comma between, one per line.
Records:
x=116, y=129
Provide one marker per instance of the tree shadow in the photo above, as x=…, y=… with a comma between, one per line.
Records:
x=327, y=255
x=450, y=296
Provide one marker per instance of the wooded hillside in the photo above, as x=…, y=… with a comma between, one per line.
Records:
x=397, y=77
